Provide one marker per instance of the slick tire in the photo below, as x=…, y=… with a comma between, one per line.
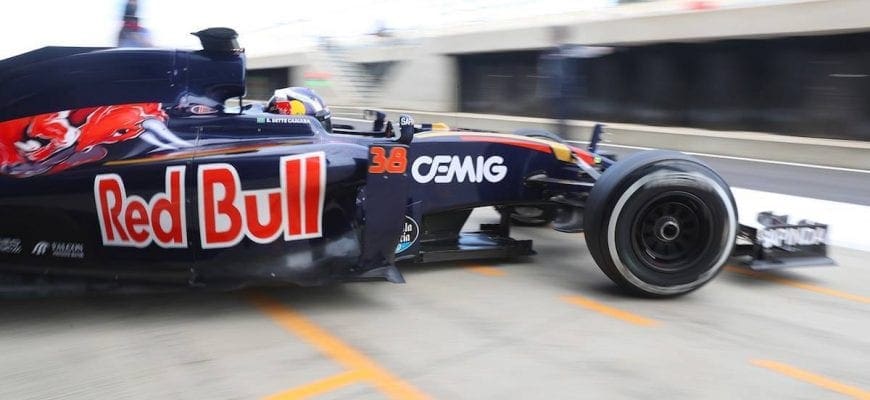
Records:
x=660, y=223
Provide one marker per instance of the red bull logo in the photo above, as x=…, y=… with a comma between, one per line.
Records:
x=130, y=221
x=53, y=142
x=294, y=209
x=227, y=212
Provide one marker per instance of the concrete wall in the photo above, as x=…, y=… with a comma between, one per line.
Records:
x=425, y=75
x=338, y=91
x=428, y=82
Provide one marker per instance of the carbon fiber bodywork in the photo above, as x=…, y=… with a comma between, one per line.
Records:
x=123, y=164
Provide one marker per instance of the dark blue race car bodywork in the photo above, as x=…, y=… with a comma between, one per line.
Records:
x=124, y=164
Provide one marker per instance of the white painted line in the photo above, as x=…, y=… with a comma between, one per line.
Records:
x=791, y=164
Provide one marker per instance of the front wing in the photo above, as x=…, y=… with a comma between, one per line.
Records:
x=777, y=244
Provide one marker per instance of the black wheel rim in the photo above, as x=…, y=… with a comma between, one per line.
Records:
x=529, y=212
x=672, y=232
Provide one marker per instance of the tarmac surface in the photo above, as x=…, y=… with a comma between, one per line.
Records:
x=551, y=326
x=824, y=183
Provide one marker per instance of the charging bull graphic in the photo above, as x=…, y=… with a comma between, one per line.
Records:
x=53, y=142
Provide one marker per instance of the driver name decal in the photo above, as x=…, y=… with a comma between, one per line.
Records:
x=227, y=212
x=449, y=169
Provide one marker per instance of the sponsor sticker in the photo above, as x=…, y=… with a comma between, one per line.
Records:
x=792, y=236
x=59, y=249
x=293, y=210
x=226, y=214
x=410, y=234
x=131, y=221
x=9, y=245
x=456, y=169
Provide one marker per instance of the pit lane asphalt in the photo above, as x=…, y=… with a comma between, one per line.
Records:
x=549, y=326
x=818, y=182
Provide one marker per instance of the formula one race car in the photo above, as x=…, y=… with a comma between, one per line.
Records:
x=125, y=164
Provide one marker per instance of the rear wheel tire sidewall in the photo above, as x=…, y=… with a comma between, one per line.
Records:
x=626, y=191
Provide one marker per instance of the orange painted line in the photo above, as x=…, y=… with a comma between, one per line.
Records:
x=331, y=346
x=609, y=311
x=486, y=271
x=319, y=387
x=814, y=379
x=799, y=285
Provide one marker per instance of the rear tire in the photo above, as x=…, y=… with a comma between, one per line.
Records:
x=660, y=223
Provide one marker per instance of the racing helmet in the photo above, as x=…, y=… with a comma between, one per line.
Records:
x=300, y=101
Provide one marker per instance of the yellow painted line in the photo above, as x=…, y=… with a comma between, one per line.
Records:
x=319, y=387
x=486, y=271
x=799, y=285
x=811, y=378
x=331, y=346
x=609, y=311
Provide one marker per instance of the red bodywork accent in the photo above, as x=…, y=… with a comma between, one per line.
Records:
x=584, y=155
x=580, y=153
x=42, y=143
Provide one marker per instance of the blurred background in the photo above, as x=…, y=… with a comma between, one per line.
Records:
x=690, y=75
x=795, y=67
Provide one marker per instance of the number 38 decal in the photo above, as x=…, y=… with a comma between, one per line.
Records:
x=394, y=163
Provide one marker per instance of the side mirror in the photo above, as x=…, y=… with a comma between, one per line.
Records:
x=406, y=130
x=377, y=116
x=373, y=115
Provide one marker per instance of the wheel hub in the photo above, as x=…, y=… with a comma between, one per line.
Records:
x=668, y=232
x=667, y=229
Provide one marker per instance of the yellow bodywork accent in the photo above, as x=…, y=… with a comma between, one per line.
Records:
x=440, y=126
x=562, y=152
